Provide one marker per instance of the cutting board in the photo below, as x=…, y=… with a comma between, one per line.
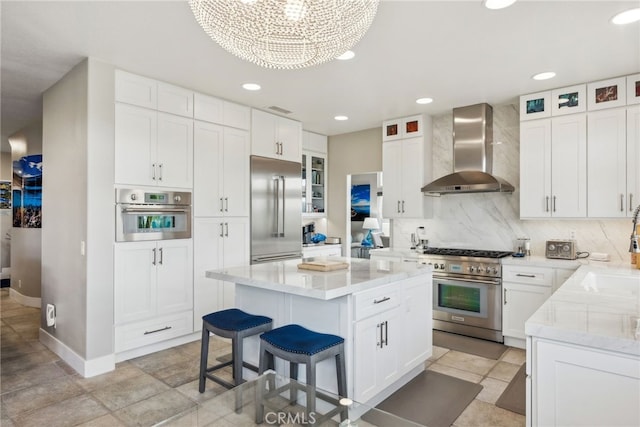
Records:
x=323, y=265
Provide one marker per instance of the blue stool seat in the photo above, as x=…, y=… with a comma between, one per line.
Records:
x=296, y=345
x=237, y=325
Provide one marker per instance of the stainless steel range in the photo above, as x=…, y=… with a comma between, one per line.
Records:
x=467, y=291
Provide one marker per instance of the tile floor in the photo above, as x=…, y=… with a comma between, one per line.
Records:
x=37, y=388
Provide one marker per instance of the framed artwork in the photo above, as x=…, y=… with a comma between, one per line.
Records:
x=568, y=100
x=535, y=106
x=607, y=94
x=27, y=192
x=5, y=194
x=633, y=89
x=360, y=202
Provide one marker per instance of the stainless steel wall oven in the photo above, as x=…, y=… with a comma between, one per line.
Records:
x=467, y=291
x=152, y=215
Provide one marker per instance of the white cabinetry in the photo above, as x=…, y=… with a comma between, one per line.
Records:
x=275, y=137
x=406, y=167
x=136, y=90
x=606, y=164
x=576, y=385
x=221, y=171
x=314, y=174
x=214, y=110
x=152, y=148
x=406, y=127
x=553, y=162
x=633, y=158
x=175, y=100
x=152, y=280
x=218, y=243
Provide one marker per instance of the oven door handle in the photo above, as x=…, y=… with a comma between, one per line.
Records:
x=154, y=211
x=489, y=281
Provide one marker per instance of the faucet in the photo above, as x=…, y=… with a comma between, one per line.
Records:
x=634, y=246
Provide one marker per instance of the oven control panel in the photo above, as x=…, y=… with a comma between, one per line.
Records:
x=469, y=268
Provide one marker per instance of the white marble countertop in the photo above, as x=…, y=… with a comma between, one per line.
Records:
x=598, y=306
x=395, y=252
x=285, y=276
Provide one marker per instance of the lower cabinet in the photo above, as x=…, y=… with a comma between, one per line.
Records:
x=576, y=385
x=392, y=334
x=153, y=280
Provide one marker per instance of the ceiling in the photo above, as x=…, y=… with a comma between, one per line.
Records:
x=456, y=52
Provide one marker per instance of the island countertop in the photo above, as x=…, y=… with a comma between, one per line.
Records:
x=285, y=276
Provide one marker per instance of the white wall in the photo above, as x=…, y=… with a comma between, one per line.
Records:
x=78, y=118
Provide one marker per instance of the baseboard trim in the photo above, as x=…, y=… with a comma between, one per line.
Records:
x=86, y=368
x=152, y=348
x=24, y=300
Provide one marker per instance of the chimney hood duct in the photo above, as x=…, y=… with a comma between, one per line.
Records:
x=472, y=155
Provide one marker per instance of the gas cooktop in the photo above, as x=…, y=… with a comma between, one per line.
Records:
x=466, y=252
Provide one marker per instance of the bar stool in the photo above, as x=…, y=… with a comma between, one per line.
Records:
x=296, y=345
x=237, y=325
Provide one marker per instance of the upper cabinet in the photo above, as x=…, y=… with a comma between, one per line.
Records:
x=275, y=137
x=175, y=100
x=215, y=110
x=152, y=148
x=406, y=167
x=314, y=174
x=401, y=128
x=136, y=90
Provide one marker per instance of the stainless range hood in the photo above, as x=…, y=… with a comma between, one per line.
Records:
x=472, y=155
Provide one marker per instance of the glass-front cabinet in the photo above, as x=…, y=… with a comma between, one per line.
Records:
x=314, y=174
x=313, y=183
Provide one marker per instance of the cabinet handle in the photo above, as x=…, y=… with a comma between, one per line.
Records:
x=221, y=205
x=546, y=209
x=221, y=229
x=379, y=327
x=226, y=204
x=403, y=206
x=154, y=257
x=398, y=206
x=226, y=227
x=622, y=203
x=281, y=149
x=504, y=291
x=277, y=148
x=166, y=328
x=554, y=203
x=378, y=301
x=160, y=168
x=532, y=276
x=153, y=171
x=385, y=341
x=161, y=256
x=630, y=202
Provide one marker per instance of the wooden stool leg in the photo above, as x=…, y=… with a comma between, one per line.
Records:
x=204, y=355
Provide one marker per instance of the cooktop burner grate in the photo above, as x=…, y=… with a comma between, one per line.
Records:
x=466, y=252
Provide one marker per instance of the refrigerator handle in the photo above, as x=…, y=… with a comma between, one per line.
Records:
x=284, y=200
x=276, y=207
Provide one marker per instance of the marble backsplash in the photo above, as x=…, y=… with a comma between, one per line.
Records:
x=491, y=220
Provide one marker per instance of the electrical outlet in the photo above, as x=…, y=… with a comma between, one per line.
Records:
x=19, y=283
x=572, y=234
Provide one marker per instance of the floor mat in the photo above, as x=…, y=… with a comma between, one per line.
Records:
x=513, y=397
x=430, y=399
x=488, y=349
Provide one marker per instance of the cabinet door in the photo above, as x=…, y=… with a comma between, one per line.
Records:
x=175, y=151
x=175, y=100
x=175, y=276
x=366, y=346
x=535, y=169
x=135, y=281
x=207, y=255
x=412, y=126
x=208, y=165
x=417, y=324
x=606, y=164
x=391, y=130
x=314, y=142
x=633, y=159
x=392, y=173
x=568, y=166
x=236, y=154
x=237, y=116
x=289, y=134
x=136, y=90
x=263, y=134
x=519, y=302
x=412, y=177
x=135, y=145
x=388, y=357
x=208, y=108
x=237, y=234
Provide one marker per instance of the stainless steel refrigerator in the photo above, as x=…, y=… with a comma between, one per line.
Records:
x=276, y=223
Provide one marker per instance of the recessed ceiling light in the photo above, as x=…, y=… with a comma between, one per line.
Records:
x=498, y=4
x=347, y=55
x=341, y=118
x=251, y=86
x=424, y=101
x=627, y=17
x=544, y=76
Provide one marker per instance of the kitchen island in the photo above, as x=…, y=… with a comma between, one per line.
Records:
x=381, y=308
x=583, y=351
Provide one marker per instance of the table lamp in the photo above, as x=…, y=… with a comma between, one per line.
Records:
x=369, y=224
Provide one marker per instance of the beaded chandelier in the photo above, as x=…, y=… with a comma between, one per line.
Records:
x=285, y=34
